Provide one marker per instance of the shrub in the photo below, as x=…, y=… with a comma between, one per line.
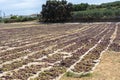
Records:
x=97, y=14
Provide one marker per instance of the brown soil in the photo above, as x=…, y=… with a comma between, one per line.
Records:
x=108, y=69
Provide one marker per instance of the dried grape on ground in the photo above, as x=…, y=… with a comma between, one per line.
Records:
x=47, y=52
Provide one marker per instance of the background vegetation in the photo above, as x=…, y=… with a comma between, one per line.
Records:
x=62, y=11
x=0, y=19
x=103, y=12
x=57, y=11
x=18, y=19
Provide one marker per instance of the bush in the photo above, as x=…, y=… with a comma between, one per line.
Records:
x=106, y=11
x=97, y=14
x=6, y=20
x=18, y=19
x=13, y=17
x=0, y=19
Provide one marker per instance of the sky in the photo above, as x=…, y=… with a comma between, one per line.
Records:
x=27, y=7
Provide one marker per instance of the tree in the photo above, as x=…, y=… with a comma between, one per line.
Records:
x=0, y=19
x=56, y=11
x=13, y=17
x=80, y=7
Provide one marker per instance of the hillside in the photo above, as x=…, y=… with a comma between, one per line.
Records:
x=103, y=12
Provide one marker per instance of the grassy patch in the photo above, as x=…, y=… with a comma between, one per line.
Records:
x=69, y=74
x=86, y=75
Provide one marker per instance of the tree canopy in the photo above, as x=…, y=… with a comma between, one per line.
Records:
x=56, y=11
x=61, y=10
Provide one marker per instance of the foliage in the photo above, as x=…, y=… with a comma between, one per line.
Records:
x=18, y=19
x=115, y=4
x=105, y=11
x=86, y=6
x=13, y=17
x=0, y=19
x=80, y=7
x=55, y=11
x=97, y=14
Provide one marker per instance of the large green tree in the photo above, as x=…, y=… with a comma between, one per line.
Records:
x=80, y=7
x=56, y=11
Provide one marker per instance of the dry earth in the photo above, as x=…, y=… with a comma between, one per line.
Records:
x=108, y=69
